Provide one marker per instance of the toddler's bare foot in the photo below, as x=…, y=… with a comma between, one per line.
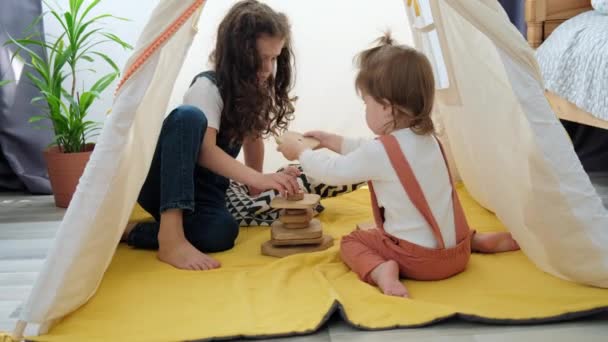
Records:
x=386, y=276
x=127, y=230
x=493, y=243
x=181, y=254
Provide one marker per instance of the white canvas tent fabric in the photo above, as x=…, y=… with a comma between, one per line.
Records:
x=108, y=189
x=510, y=150
x=507, y=144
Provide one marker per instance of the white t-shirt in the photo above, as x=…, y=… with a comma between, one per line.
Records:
x=205, y=95
x=363, y=159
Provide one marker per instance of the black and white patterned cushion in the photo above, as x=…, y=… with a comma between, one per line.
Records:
x=256, y=211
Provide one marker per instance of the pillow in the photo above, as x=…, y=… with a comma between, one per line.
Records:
x=600, y=6
x=256, y=211
x=250, y=210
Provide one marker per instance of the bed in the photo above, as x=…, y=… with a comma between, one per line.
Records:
x=567, y=34
x=543, y=17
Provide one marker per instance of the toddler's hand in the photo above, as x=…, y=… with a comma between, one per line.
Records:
x=327, y=140
x=291, y=147
x=322, y=136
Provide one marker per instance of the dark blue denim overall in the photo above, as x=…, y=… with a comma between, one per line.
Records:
x=176, y=180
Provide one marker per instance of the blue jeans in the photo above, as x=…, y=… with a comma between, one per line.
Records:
x=176, y=181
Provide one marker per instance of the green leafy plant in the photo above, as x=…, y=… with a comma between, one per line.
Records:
x=79, y=41
x=4, y=82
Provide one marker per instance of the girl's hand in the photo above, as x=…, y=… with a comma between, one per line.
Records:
x=291, y=148
x=290, y=171
x=253, y=191
x=283, y=182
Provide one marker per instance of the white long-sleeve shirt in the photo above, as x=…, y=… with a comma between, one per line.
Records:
x=367, y=160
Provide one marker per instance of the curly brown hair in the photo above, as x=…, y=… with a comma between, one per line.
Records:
x=252, y=108
x=402, y=77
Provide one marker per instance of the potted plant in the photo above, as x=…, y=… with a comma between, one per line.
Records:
x=66, y=104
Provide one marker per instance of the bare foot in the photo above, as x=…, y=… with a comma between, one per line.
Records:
x=386, y=275
x=181, y=254
x=127, y=230
x=493, y=243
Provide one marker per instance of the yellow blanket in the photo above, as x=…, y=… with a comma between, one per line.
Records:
x=141, y=299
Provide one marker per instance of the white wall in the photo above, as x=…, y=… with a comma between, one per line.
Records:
x=327, y=35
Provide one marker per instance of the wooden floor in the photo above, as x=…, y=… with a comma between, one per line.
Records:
x=27, y=229
x=28, y=225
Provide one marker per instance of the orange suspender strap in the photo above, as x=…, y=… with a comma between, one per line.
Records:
x=460, y=221
x=410, y=183
x=378, y=217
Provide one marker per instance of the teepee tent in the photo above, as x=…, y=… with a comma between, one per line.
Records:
x=506, y=142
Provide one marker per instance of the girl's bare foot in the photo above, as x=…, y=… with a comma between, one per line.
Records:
x=175, y=249
x=181, y=254
x=493, y=243
x=127, y=230
x=386, y=276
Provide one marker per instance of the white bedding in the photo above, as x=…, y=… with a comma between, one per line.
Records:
x=574, y=62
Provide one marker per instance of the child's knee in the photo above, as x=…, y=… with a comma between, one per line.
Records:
x=355, y=237
x=349, y=245
x=230, y=232
x=224, y=229
x=189, y=116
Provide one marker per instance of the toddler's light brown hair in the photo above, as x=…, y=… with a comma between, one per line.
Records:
x=402, y=77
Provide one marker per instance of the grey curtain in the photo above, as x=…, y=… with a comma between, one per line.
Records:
x=516, y=11
x=22, y=165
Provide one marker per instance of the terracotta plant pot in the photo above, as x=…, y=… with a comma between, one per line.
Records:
x=65, y=170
